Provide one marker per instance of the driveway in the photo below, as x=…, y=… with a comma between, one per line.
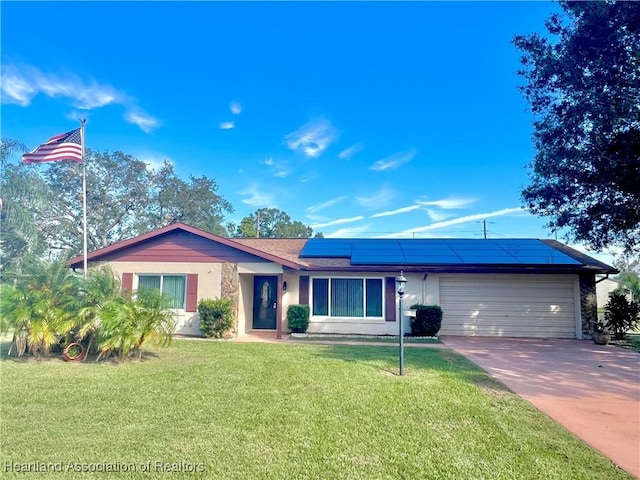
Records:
x=592, y=390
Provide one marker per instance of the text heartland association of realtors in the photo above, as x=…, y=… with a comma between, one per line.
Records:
x=62, y=467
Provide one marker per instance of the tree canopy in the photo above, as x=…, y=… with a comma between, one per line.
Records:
x=582, y=81
x=273, y=223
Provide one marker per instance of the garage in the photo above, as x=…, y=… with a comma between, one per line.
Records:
x=510, y=305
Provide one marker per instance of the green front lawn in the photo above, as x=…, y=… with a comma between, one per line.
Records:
x=281, y=411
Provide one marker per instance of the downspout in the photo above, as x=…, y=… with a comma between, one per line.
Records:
x=424, y=289
x=602, y=279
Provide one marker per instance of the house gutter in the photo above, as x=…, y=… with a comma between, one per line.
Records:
x=602, y=279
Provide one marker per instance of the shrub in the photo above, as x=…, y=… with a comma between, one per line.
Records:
x=621, y=314
x=298, y=318
x=427, y=321
x=216, y=316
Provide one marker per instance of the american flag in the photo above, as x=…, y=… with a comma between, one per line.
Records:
x=66, y=146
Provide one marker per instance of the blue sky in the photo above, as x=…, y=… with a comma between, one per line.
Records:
x=359, y=119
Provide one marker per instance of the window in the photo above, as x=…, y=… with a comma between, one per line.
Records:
x=172, y=286
x=347, y=297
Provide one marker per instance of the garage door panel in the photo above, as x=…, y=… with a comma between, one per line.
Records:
x=508, y=305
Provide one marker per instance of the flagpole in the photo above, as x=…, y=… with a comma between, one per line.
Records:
x=84, y=200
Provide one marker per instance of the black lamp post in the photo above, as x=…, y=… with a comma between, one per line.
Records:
x=400, y=282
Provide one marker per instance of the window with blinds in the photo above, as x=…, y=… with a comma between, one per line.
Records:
x=347, y=297
x=172, y=286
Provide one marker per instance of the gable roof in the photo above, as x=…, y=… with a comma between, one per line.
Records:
x=175, y=227
x=381, y=255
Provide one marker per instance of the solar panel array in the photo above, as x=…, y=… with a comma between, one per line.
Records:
x=437, y=251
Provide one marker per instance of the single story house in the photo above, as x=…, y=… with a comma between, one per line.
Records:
x=604, y=286
x=510, y=287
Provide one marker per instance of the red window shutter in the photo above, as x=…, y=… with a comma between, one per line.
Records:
x=127, y=282
x=192, y=292
x=390, y=299
x=303, y=294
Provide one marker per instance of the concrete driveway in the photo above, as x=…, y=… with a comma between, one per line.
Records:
x=592, y=390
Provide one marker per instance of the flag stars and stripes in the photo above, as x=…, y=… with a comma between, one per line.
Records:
x=66, y=146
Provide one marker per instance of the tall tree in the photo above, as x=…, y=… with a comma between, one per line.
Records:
x=271, y=223
x=23, y=194
x=583, y=86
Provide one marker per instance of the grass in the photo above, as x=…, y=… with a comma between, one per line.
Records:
x=632, y=342
x=314, y=337
x=280, y=411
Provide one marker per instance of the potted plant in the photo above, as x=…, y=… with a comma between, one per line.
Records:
x=601, y=335
x=74, y=352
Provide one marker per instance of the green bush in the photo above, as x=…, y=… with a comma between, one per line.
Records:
x=427, y=321
x=621, y=315
x=216, y=316
x=298, y=318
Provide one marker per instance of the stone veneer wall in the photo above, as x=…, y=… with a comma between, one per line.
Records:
x=230, y=288
x=588, y=303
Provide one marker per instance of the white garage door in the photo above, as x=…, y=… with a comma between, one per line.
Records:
x=508, y=305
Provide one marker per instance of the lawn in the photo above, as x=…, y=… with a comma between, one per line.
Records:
x=280, y=411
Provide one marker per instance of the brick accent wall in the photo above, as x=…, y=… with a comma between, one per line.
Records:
x=588, y=304
x=230, y=288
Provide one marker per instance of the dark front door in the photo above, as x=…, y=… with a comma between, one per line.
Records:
x=264, y=302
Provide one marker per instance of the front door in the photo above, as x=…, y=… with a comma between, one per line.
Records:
x=264, y=302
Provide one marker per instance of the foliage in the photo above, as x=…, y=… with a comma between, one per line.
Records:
x=298, y=318
x=128, y=322
x=427, y=321
x=583, y=86
x=38, y=304
x=273, y=224
x=621, y=314
x=629, y=276
x=216, y=316
x=23, y=196
x=125, y=198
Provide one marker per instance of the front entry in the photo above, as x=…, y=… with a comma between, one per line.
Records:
x=265, y=302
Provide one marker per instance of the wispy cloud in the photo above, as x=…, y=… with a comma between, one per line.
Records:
x=145, y=122
x=447, y=203
x=227, y=125
x=348, y=232
x=455, y=221
x=394, y=160
x=398, y=211
x=347, y=153
x=154, y=161
x=256, y=198
x=22, y=83
x=235, y=108
x=312, y=138
x=437, y=216
x=377, y=200
x=307, y=177
x=278, y=169
x=327, y=204
x=338, y=221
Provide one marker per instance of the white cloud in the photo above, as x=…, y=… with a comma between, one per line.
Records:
x=278, y=169
x=454, y=221
x=447, y=203
x=338, y=221
x=312, y=138
x=145, y=122
x=227, y=125
x=235, y=108
x=256, y=198
x=21, y=83
x=154, y=161
x=437, y=216
x=397, y=211
x=377, y=200
x=307, y=178
x=394, y=160
x=327, y=204
x=347, y=153
x=348, y=232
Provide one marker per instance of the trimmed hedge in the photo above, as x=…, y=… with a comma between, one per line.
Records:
x=216, y=316
x=298, y=318
x=427, y=321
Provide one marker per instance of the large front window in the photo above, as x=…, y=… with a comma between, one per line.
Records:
x=171, y=286
x=347, y=297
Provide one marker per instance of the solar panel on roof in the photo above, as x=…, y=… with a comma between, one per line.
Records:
x=378, y=260
x=432, y=259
